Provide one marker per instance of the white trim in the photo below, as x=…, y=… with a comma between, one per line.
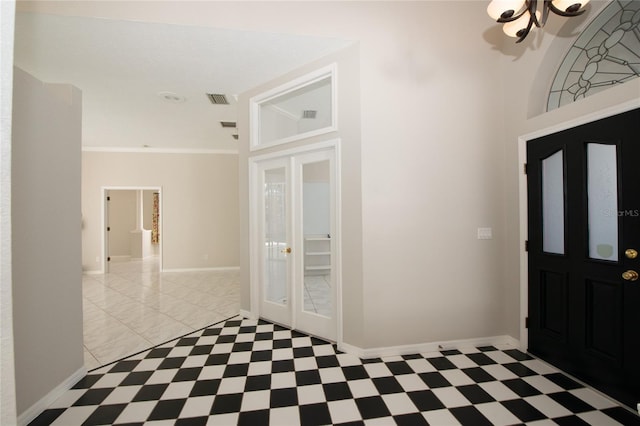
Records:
x=330, y=71
x=420, y=348
x=247, y=314
x=150, y=150
x=318, y=146
x=337, y=262
x=254, y=246
x=121, y=258
x=36, y=409
x=522, y=184
x=213, y=269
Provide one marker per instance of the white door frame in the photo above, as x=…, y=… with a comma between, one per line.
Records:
x=254, y=227
x=104, y=217
x=522, y=182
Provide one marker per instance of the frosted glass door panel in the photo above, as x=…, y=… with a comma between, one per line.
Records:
x=602, y=192
x=316, y=225
x=553, y=203
x=275, y=236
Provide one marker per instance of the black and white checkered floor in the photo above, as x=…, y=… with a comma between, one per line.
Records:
x=250, y=372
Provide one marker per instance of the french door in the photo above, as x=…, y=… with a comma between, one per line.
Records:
x=295, y=241
x=584, y=240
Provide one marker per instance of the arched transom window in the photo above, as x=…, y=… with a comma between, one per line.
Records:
x=605, y=54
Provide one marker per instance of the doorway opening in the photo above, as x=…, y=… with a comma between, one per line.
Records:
x=295, y=239
x=132, y=226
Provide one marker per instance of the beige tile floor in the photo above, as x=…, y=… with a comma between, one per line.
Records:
x=135, y=307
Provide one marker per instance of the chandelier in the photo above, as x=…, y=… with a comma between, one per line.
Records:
x=519, y=16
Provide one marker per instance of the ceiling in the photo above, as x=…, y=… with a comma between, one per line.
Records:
x=122, y=67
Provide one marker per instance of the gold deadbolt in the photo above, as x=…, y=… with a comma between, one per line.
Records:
x=630, y=275
x=631, y=253
x=287, y=250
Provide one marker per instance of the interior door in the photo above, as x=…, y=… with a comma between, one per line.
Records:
x=584, y=239
x=315, y=225
x=296, y=238
x=275, y=240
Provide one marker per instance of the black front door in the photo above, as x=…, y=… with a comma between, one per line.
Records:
x=584, y=253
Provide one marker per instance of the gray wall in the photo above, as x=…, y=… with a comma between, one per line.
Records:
x=7, y=381
x=47, y=273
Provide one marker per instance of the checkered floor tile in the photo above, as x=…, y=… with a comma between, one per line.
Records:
x=246, y=372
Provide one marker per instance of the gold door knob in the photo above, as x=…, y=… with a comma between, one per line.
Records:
x=287, y=250
x=631, y=253
x=630, y=275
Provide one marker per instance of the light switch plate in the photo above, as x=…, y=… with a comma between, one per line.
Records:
x=485, y=233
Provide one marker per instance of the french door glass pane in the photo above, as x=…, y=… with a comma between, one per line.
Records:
x=316, y=212
x=553, y=204
x=602, y=193
x=275, y=236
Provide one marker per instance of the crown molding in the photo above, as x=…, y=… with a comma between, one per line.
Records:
x=151, y=150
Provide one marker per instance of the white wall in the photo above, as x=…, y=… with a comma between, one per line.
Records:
x=432, y=170
x=431, y=167
x=199, y=197
x=7, y=371
x=46, y=222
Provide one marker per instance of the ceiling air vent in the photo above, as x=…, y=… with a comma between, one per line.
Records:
x=218, y=99
x=228, y=124
x=309, y=113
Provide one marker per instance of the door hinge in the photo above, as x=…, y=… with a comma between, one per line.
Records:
x=526, y=322
x=526, y=168
x=526, y=245
x=108, y=228
x=109, y=259
x=108, y=198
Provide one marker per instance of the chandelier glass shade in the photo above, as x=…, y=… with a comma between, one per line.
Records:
x=520, y=16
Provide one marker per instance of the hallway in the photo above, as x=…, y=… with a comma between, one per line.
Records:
x=135, y=307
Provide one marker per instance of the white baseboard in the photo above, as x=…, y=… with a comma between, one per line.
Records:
x=247, y=314
x=93, y=272
x=426, y=347
x=220, y=269
x=36, y=409
x=121, y=258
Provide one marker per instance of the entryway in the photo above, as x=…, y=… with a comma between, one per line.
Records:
x=295, y=240
x=584, y=238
